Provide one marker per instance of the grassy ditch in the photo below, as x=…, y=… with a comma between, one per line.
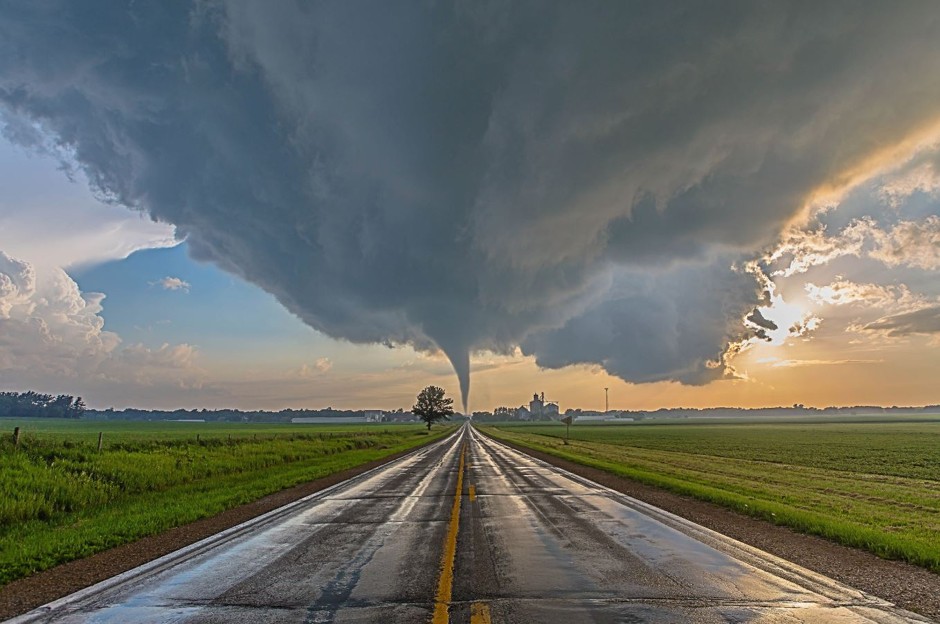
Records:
x=872, y=485
x=62, y=499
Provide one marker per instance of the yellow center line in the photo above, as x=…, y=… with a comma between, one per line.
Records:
x=480, y=613
x=446, y=581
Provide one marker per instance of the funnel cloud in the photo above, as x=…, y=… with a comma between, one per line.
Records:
x=573, y=179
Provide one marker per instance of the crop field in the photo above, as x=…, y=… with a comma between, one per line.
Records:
x=62, y=499
x=873, y=484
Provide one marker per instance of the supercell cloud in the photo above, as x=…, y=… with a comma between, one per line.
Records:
x=573, y=178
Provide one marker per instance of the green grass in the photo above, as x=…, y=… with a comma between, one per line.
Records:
x=60, y=499
x=873, y=485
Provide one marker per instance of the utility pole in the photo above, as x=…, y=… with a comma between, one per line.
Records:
x=606, y=401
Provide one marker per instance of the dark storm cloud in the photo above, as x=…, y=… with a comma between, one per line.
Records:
x=469, y=175
x=760, y=325
x=655, y=326
x=923, y=321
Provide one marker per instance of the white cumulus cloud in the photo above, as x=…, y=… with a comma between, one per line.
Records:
x=47, y=325
x=50, y=330
x=846, y=292
x=173, y=283
x=909, y=243
x=319, y=367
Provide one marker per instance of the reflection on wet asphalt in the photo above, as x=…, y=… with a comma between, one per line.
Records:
x=533, y=544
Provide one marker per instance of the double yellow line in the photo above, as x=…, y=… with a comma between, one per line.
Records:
x=479, y=612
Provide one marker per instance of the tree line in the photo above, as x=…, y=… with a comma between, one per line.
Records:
x=37, y=405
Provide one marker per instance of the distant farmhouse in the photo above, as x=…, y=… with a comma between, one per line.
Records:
x=399, y=417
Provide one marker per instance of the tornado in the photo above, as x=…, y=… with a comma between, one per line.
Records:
x=460, y=360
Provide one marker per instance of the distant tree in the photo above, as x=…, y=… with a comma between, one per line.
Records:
x=77, y=409
x=61, y=406
x=432, y=406
x=504, y=413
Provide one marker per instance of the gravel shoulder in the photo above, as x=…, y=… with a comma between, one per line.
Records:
x=903, y=584
x=26, y=594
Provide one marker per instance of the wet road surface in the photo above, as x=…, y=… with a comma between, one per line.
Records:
x=469, y=530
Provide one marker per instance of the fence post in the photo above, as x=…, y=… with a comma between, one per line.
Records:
x=16, y=437
x=100, y=436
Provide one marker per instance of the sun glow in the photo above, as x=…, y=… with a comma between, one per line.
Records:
x=791, y=319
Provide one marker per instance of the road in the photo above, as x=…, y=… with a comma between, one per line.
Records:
x=469, y=530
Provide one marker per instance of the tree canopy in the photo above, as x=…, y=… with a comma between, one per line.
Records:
x=433, y=406
x=37, y=405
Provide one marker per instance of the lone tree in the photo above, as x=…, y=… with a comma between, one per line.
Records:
x=432, y=406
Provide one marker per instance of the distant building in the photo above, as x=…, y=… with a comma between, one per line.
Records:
x=536, y=404
x=327, y=420
x=601, y=418
x=373, y=415
x=579, y=415
x=540, y=409
x=400, y=417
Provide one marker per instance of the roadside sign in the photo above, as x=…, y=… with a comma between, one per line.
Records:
x=567, y=421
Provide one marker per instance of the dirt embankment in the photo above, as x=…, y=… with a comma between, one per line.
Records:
x=906, y=585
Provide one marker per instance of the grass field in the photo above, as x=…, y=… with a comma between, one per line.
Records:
x=873, y=484
x=61, y=499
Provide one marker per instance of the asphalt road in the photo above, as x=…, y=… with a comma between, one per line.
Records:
x=469, y=530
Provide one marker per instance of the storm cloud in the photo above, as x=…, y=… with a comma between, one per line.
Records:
x=923, y=321
x=469, y=176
